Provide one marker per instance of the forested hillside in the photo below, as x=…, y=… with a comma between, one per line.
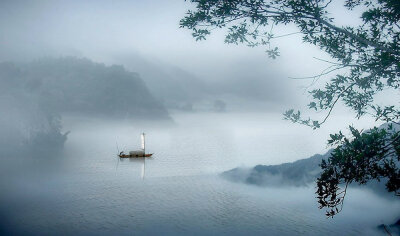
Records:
x=34, y=96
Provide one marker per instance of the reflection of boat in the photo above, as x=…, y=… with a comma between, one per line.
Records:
x=137, y=153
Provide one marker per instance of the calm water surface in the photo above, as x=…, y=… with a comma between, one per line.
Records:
x=180, y=192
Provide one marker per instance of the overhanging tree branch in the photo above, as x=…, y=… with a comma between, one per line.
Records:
x=356, y=37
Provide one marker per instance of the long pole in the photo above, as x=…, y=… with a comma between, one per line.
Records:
x=144, y=144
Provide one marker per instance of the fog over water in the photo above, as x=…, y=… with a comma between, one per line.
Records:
x=88, y=191
x=81, y=80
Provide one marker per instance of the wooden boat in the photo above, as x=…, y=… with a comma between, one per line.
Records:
x=137, y=153
x=122, y=155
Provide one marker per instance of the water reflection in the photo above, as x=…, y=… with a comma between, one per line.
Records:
x=137, y=161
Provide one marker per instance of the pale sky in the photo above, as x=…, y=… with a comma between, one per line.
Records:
x=99, y=28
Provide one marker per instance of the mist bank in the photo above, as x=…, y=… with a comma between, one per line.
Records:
x=301, y=173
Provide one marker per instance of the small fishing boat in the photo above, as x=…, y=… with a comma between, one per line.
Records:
x=137, y=153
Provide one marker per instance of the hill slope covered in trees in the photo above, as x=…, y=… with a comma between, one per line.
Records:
x=34, y=96
x=82, y=86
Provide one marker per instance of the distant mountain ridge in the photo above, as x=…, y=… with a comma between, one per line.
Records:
x=179, y=89
x=81, y=86
x=174, y=87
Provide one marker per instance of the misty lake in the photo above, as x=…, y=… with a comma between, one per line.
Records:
x=181, y=193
